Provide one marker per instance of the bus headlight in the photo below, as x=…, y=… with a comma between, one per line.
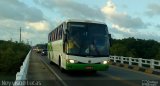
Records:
x=71, y=61
x=105, y=62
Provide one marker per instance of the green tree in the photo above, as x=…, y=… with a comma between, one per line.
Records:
x=158, y=55
x=118, y=49
x=12, y=54
x=137, y=48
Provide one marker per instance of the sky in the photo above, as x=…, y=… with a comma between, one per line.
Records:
x=124, y=18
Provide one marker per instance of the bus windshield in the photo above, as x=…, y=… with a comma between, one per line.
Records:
x=88, y=39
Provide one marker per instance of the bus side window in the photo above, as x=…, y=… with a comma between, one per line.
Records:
x=50, y=37
x=60, y=33
x=55, y=35
x=64, y=43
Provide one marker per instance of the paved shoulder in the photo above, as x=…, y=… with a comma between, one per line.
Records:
x=39, y=72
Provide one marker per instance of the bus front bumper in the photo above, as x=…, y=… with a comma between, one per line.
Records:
x=96, y=67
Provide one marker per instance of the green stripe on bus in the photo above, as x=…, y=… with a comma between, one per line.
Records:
x=98, y=67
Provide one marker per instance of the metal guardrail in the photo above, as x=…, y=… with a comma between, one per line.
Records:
x=151, y=62
x=22, y=75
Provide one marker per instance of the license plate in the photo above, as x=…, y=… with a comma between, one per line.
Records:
x=89, y=67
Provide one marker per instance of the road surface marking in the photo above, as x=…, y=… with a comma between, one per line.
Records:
x=60, y=79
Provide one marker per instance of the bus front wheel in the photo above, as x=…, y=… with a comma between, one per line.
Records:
x=60, y=67
x=93, y=71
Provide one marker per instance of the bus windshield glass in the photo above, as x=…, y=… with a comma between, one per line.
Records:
x=88, y=39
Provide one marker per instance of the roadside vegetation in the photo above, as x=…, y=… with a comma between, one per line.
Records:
x=12, y=55
x=137, y=48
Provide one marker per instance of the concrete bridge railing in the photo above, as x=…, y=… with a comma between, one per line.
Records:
x=22, y=75
x=151, y=62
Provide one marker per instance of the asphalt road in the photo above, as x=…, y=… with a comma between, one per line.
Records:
x=115, y=76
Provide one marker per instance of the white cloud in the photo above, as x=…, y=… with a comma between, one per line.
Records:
x=124, y=25
x=72, y=9
x=122, y=19
x=10, y=24
x=153, y=9
x=109, y=9
x=39, y=26
x=158, y=26
x=17, y=10
x=26, y=35
x=15, y=14
x=114, y=26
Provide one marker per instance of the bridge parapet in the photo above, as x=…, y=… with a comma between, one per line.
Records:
x=151, y=62
x=22, y=75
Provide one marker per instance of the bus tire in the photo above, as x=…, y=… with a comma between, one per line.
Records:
x=51, y=62
x=49, y=58
x=60, y=67
x=93, y=71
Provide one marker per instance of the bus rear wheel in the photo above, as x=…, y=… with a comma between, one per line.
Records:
x=51, y=62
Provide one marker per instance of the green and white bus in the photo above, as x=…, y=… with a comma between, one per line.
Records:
x=80, y=45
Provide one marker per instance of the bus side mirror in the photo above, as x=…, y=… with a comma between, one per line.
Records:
x=110, y=39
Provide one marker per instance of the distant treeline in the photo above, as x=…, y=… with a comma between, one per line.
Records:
x=12, y=54
x=137, y=48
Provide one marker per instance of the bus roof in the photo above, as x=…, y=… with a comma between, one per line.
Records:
x=78, y=20
x=86, y=21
